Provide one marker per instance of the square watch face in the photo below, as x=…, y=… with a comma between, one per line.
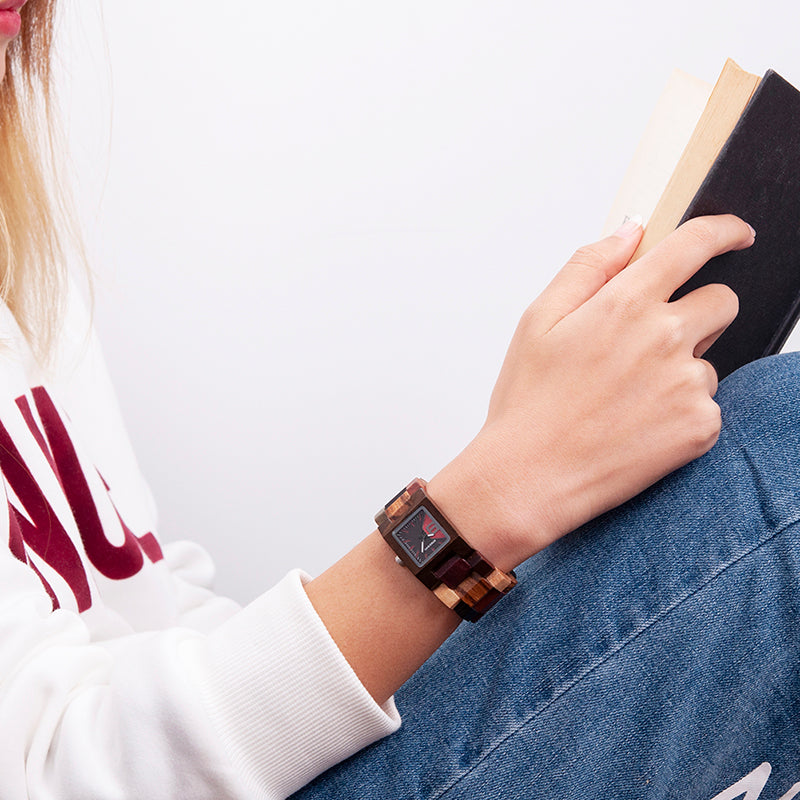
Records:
x=421, y=536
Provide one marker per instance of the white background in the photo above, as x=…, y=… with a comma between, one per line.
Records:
x=315, y=225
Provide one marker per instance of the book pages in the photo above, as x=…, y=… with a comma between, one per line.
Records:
x=670, y=127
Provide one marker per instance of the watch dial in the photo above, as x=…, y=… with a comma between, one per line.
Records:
x=421, y=536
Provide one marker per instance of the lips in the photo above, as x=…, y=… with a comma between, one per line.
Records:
x=11, y=5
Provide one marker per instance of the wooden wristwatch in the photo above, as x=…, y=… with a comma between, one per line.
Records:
x=427, y=543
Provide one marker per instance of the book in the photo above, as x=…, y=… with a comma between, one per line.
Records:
x=742, y=157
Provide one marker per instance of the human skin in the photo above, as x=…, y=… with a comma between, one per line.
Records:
x=602, y=393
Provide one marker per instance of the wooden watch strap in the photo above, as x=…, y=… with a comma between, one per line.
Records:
x=459, y=575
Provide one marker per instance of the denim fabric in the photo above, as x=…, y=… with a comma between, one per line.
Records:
x=653, y=653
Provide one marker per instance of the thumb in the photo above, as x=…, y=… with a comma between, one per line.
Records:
x=589, y=269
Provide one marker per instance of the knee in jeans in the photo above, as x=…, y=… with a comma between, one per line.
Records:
x=763, y=391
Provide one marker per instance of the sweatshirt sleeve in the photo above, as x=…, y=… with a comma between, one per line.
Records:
x=280, y=694
x=254, y=709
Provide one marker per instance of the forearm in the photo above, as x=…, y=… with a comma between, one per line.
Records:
x=385, y=622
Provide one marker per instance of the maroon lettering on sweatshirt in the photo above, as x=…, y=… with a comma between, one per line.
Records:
x=40, y=530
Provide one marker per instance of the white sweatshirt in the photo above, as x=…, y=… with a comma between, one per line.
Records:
x=121, y=674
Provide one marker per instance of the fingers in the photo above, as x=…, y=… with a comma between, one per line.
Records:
x=674, y=260
x=705, y=313
x=589, y=269
x=712, y=379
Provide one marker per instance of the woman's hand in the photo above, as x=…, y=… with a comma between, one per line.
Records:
x=602, y=392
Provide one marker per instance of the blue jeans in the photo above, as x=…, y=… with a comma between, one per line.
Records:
x=653, y=653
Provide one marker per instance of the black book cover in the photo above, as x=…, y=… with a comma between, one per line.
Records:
x=757, y=177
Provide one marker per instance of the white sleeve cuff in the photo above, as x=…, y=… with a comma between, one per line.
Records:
x=284, y=700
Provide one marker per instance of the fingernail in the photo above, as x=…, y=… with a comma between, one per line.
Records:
x=752, y=229
x=630, y=225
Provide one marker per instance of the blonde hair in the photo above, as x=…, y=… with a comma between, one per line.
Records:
x=36, y=218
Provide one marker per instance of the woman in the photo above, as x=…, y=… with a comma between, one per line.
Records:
x=617, y=662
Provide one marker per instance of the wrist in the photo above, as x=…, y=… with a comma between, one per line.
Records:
x=427, y=544
x=495, y=514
